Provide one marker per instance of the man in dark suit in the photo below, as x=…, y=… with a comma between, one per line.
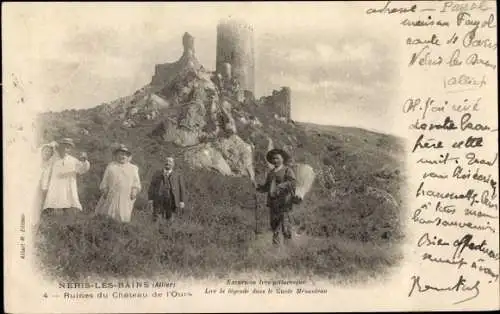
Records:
x=166, y=192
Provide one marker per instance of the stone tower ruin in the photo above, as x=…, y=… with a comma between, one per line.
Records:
x=166, y=72
x=235, y=46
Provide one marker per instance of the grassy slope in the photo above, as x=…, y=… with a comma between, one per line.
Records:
x=343, y=230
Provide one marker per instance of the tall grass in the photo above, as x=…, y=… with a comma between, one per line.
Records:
x=340, y=230
x=215, y=235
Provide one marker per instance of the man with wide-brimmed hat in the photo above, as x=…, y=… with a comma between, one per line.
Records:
x=280, y=186
x=59, y=181
x=119, y=186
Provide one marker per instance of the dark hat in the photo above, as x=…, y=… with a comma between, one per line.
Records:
x=275, y=151
x=122, y=148
x=67, y=141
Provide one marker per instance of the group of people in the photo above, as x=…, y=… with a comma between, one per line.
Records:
x=121, y=184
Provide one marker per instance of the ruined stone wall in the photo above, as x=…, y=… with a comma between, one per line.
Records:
x=286, y=104
x=164, y=73
x=235, y=46
x=280, y=102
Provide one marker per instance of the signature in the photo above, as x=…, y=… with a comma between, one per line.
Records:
x=459, y=286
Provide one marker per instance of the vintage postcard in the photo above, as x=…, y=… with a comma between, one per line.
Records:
x=250, y=157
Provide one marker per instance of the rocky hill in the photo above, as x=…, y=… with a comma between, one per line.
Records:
x=219, y=136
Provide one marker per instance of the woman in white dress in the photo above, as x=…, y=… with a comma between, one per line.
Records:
x=59, y=186
x=120, y=186
x=46, y=152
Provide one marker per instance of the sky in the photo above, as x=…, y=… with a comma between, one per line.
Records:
x=340, y=66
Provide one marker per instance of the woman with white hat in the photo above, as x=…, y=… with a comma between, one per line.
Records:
x=46, y=152
x=59, y=180
x=119, y=186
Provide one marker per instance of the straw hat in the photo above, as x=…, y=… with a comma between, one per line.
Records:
x=67, y=141
x=272, y=152
x=50, y=145
x=122, y=148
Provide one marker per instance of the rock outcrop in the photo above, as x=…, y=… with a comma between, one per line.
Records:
x=158, y=102
x=203, y=114
x=170, y=131
x=205, y=110
x=205, y=156
x=237, y=153
x=229, y=156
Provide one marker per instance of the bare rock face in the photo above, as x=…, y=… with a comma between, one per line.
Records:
x=224, y=118
x=201, y=108
x=229, y=156
x=193, y=114
x=158, y=102
x=238, y=154
x=185, y=137
x=205, y=156
x=201, y=113
x=169, y=131
x=205, y=80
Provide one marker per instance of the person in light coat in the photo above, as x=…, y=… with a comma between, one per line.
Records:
x=58, y=184
x=119, y=186
x=46, y=152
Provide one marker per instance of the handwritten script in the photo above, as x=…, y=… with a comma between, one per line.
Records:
x=450, y=62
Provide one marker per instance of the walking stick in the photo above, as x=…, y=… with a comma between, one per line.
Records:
x=256, y=203
x=256, y=231
x=251, y=175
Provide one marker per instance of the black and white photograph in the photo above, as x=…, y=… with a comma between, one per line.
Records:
x=257, y=146
x=212, y=168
